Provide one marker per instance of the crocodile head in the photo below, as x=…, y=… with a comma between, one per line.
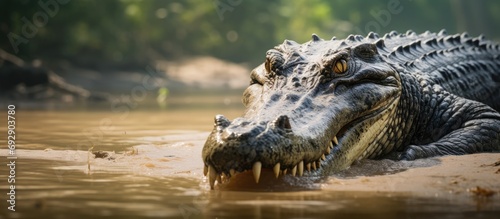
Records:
x=311, y=109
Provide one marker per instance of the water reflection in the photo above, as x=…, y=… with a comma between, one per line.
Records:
x=75, y=195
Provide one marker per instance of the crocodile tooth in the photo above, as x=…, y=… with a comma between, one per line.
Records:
x=219, y=179
x=257, y=167
x=294, y=170
x=284, y=171
x=314, y=165
x=328, y=150
x=323, y=157
x=212, y=175
x=276, y=170
x=301, y=168
x=318, y=164
x=232, y=172
x=205, y=170
x=308, y=167
x=335, y=140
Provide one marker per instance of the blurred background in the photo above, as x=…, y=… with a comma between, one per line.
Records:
x=144, y=78
x=162, y=50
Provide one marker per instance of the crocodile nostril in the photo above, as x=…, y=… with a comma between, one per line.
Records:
x=283, y=122
x=221, y=121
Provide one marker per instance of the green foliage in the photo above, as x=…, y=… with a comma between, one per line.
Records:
x=131, y=33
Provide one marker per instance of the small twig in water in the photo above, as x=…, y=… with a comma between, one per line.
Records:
x=88, y=158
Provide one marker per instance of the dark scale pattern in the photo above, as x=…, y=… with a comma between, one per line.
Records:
x=402, y=96
x=452, y=125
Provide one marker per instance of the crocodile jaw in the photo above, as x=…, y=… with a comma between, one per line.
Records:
x=301, y=119
x=313, y=150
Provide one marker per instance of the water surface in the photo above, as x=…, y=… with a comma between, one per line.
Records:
x=154, y=169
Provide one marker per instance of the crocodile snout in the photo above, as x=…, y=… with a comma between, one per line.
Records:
x=236, y=146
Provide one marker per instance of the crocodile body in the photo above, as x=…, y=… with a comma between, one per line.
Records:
x=315, y=108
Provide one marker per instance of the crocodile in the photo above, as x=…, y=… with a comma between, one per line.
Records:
x=315, y=108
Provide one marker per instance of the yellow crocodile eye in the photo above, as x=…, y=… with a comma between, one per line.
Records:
x=340, y=66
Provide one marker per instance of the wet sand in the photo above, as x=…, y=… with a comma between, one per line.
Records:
x=451, y=175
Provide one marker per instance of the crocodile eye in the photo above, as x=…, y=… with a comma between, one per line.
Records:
x=340, y=66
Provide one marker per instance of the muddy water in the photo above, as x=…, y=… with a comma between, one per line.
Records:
x=152, y=168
